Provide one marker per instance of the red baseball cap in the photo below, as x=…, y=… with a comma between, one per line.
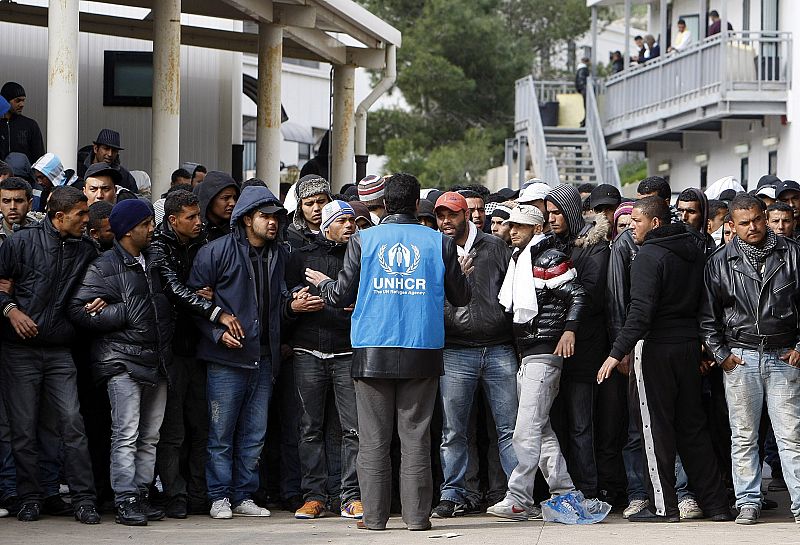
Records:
x=452, y=200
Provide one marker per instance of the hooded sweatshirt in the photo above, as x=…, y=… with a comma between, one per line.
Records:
x=210, y=187
x=666, y=290
x=706, y=241
x=21, y=134
x=226, y=265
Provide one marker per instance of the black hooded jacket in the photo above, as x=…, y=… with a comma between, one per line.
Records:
x=210, y=187
x=618, y=291
x=666, y=290
x=319, y=163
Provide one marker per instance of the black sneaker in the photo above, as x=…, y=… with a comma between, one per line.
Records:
x=177, y=508
x=87, y=514
x=646, y=515
x=29, y=511
x=57, y=507
x=129, y=513
x=291, y=504
x=447, y=509
x=777, y=484
x=151, y=512
x=12, y=505
x=471, y=508
x=748, y=514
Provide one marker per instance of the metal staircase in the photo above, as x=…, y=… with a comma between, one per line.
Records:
x=572, y=153
x=562, y=154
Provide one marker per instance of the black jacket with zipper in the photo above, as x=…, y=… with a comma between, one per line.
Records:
x=483, y=321
x=21, y=134
x=133, y=333
x=46, y=269
x=327, y=330
x=666, y=288
x=743, y=310
x=174, y=259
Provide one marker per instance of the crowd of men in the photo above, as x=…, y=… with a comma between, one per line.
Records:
x=391, y=349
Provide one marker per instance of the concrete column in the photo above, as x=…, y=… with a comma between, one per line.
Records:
x=627, y=58
x=165, y=140
x=62, y=81
x=268, y=128
x=594, y=41
x=662, y=29
x=343, y=134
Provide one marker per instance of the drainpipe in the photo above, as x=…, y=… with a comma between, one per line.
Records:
x=389, y=77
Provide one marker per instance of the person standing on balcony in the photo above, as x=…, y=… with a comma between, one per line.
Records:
x=716, y=23
x=581, y=77
x=682, y=40
x=653, y=49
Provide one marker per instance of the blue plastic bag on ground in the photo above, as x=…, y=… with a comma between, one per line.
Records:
x=573, y=508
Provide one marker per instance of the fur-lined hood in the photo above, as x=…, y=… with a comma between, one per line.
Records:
x=594, y=233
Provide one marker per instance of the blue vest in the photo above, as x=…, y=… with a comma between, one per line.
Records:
x=401, y=288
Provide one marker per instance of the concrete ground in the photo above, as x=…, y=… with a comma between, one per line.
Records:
x=776, y=527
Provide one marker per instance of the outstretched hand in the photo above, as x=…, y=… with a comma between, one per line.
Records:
x=466, y=264
x=605, y=370
x=315, y=278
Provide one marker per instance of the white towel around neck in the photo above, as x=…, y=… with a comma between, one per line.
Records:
x=518, y=292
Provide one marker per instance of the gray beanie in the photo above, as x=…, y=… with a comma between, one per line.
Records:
x=308, y=186
x=567, y=198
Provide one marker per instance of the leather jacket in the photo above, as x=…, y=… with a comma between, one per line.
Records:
x=483, y=322
x=741, y=310
x=133, y=333
x=399, y=363
x=174, y=260
x=560, y=309
x=618, y=284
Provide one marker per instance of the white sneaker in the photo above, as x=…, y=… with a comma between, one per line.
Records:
x=221, y=509
x=507, y=509
x=248, y=508
x=689, y=509
x=3, y=512
x=634, y=507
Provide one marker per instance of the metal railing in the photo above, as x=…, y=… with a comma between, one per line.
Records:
x=605, y=167
x=528, y=120
x=548, y=91
x=732, y=65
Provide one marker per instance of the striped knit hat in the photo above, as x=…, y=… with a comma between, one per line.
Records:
x=333, y=210
x=567, y=198
x=370, y=190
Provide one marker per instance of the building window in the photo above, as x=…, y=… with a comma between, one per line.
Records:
x=128, y=78
x=703, y=177
x=744, y=171
x=773, y=163
x=303, y=152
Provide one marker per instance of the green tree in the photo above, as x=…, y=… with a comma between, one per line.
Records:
x=456, y=70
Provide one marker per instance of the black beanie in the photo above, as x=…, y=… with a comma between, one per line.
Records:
x=12, y=90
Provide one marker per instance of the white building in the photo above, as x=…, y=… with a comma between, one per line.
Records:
x=121, y=61
x=724, y=106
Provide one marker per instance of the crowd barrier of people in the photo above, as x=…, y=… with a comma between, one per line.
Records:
x=224, y=351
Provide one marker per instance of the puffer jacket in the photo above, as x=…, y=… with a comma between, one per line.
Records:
x=174, y=260
x=327, y=330
x=133, y=333
x=561, y=308
x=46, y=270
x=741, y=310
x=482, y=322
x=401, y=363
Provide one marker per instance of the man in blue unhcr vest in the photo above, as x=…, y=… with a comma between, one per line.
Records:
x=398, y=274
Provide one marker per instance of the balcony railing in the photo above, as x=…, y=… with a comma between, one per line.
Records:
x=749, y=67
x=528, y=121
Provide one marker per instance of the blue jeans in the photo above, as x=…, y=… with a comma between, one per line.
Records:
x=763, y=376
x=238, y=402
x=495, y=367
x=136, y=415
